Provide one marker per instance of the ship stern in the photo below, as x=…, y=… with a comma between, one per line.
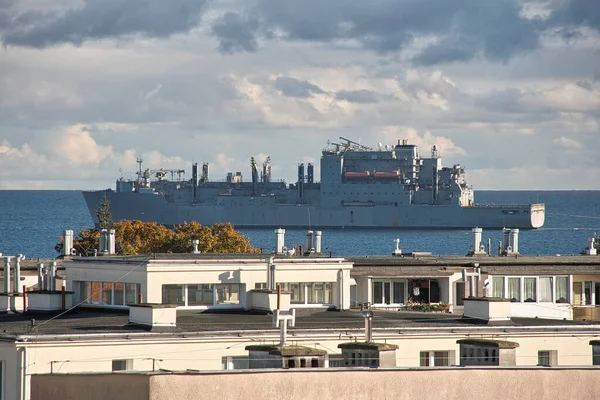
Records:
x=537, y=215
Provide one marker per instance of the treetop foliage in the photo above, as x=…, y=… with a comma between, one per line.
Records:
x=137, y=237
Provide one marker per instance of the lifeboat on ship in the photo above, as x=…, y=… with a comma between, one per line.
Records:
x=387, y=175
x=357, y=175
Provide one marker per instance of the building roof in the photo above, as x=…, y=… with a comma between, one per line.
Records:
x=348, y=324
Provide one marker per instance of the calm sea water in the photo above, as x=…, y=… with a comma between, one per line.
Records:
x=31, y=223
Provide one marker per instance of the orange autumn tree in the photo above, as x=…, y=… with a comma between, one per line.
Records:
x=137, y=237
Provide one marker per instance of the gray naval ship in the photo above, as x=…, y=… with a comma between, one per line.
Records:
x=360, y=187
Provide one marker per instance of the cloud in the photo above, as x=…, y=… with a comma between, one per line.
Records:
x=358, y=96
x=235, y=32
x=293, y=87
x=425, y=142
x=567, y=144
x=576, y=13
x=101, y=19
x=460, y=31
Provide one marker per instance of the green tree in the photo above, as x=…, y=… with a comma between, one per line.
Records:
x=137, y=237
x=104, y=215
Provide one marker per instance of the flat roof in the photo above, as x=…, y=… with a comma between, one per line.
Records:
x=84, y=321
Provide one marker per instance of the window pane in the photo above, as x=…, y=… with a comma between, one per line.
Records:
x=119, y=289
x=200, y=295
x=529, y=290
x=546, y=289
x=327, y=288
x=424, y=356
x=228, y=293
x=441, y=358
x=498, y=286
x=514, y=289
x=130, y=293
x=562, y=292
x=173, y=294
x=297, y=296
x=596, y=355
x=96, y=292
x=106, y=293
x=377, y=292
x=544, y=358
x=398, y=292
x=86, y=292
x=386, y=292
x=588, y=293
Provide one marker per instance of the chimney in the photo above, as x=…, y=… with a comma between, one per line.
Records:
x=515, y=240
x=40, y=272
x=397, y=251
x=317, y=241
x=505, y=240
x=7, y=274
x=17, y=284
x=111, y=245
x=477, y=246
x=195, y=243
x=67, y=243
x=271, y=279
x=309, y=242
x=591, y=250
x=102, y=248
x=52, y=277
x=279, y=240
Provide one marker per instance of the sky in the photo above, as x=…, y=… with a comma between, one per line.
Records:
x=509, y=89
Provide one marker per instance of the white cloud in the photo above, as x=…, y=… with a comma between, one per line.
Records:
x=566, y=143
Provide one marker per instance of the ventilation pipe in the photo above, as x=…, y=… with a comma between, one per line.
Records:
x=271, y=269
x=591, y=250
x=505, y=240
x=17, y=284
x=309, y=242
x=477, y=246
x=102, y=243
x=397, y=251
x=515, y=240
x=195, y=243
x=317, y=241
x=368, y=315
x=67, y=242
x=52, y=277
x=40, y=272
x=7, y=274
x=111, y=243
x=279, y=240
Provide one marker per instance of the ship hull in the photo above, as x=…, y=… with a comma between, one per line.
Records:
x=262, y=212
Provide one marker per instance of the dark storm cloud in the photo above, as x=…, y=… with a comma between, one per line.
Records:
x=293, y=87
x=464, y=29
x=99, y=19
x=363, y=96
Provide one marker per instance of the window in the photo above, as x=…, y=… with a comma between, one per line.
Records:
x=228, y=293
x=529, y=290
x=122, y=365
x=595, y=352
x=547, y=358
x=546, y=289
x=435, y=358
x=562, y=289
x=119, y=294
x=498, y=286
x=200, y=295
x=398, y=291
x=587, y=290
x=514, y=289
x=236, y=362
x=106, y=293
x=131, y=292
x=173, y=294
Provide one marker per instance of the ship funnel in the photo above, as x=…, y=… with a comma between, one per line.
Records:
x=279, y=240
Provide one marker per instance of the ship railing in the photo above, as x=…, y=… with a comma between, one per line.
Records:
x=492, y=205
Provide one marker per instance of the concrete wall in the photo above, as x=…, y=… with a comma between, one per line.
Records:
x=449, y=384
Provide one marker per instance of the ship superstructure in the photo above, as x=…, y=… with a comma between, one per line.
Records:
x=359, y=187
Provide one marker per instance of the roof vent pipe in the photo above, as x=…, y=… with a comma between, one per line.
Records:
x=368, y=315
x=515, y=239
x=279, y=240
x=17, y=284
x=397, y=251
x=52, y=280
x=195, y=243
x=111, y=245
x=477, y=246
x=309, y=244
x=7, y=274
x=317, y=241
x=102, y=243
x=40, y=272
x=67, y=243
x=505, y=240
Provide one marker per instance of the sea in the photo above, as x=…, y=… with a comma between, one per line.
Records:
x=32, y=221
